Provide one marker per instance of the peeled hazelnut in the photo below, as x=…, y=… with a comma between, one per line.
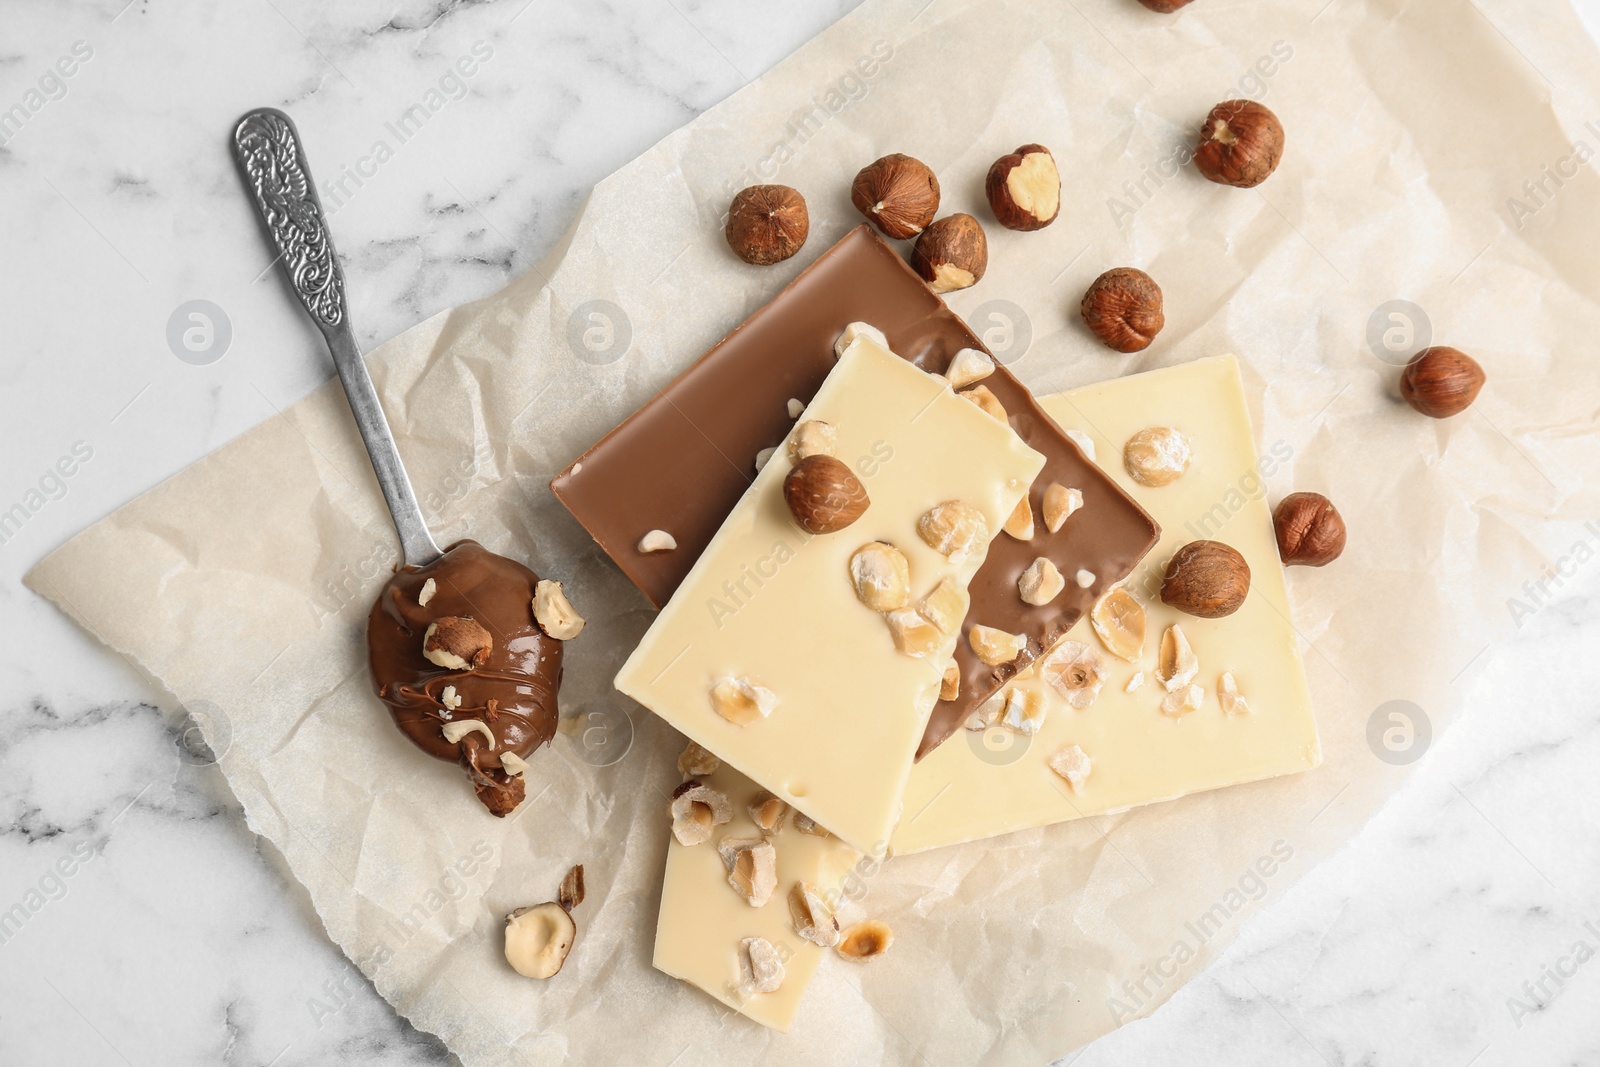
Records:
x=899, y=194
x=1024, y=188
x=1020, y=524
x=812, y=438
x=968, y=366
x=1240, y=144
x=1207, y=579
x=1123, y=309
x=741, y=701
x=881, y=576
x=760, y=966
x=767, y=812
x=1040, y=583
x=945, y=605
x=1441, y=381
x=539, y=938
x=456, y=644
x=951, y=254
x=984, y=397
x=1156, y=456
x=1310, y=530
x=866, y=941
x=824, y=495
x=555, y=614
x=696, y=762
x=954, y=529
x=995, y=647
x=696, y=810
x=1058, y=505
x=813, y=919
x=767, y=224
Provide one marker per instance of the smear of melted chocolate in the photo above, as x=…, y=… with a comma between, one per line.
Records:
x=513, y=692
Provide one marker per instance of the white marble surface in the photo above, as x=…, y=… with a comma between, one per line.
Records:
x=177, y=939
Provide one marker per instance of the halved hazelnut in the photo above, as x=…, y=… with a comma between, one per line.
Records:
x=760, y=966
x=812, y=438
x=995, y=647
x=697, y=762
x=741, y=701
x=984, y=397
x=913, y=634
x=555, y=613
x=951, y=254
x=697, y=810
x=767, y=224
x=456, y=644
x=657, y=541
x=767, y=812
x=1157, y=456
x=539, y=938
x=813, y=919
x=954, y=529
x=1058, y=505
x=899, y=194
x=945, y=605
x=1119, y=621
x=754, y=873
x=881, y=576
x=1020, y=524
x=1176, y=664
x=1075, y=671
x=1183, y=700
x=950, y=684
x=1024, y=188
x=866, y=941
x=1073, y=765
x=967, y=367
x=1040, y=583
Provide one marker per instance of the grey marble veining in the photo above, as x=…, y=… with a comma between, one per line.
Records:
x=1458, y=928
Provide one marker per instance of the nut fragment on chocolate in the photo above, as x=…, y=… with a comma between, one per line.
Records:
x=555, y=614
x=1176, y=664
x=954, y=529
x=813, y=919
x=913, y=633
x=824, y=495
x=1118, y=620
x=1123, y=308
x=1241, y=143
x=1309, y=529
x=657, y=541
x=807, y=825
x=854, y=330
x=760, y=967
x=1183, y=700
x=697, y=762
x=1072, y=765
x=1020, y=522
x=753, y=872
x=539, y=938
x=985, y=399
x=1084, y=578
x=1058, y=505
x=429, y=587
x=1075, y=671
x=950, y=684
x=513, y=764
x=767, y=224
x=1157, y=456
x=1207, y=579
x=741, y=701
x=898, y=194
x=994, y=646
x=456, y=643
x=455, y=731
x=1024, y=188
x=945, y=605
x=1022, y=710
x=812, y=438
x=1040, y=583
x=881, y=576
x=951, y=254
x=697, y=809
x=968, y=367
x=1440, y=382
x=764, y=457
x=767, y=812
x=1228, y=695
x=449, y=699
x=866, y=941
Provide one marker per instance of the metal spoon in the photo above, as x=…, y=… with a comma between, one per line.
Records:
x=267, y=148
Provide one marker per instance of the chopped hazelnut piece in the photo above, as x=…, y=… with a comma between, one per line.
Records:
x=988, y=713
x=767, y=812
x=866, y=941
x=760, y=966
x=657, y=541
x=1135, y=682
x=754, y=873
x=954, y=530
x=764, y=457
x=950, y=685
x=1084, y=578
x=1059, y=504
x=812, y=438
x=513, y=764
x=982, y=396
x=697, y=809
x=945, y=605
x=1023, y=711
x=449, y=698
x=456, y=644
x=807, y=825
x=1040, y=583
x=1119, y=621
x=881, y=576
x=994, y=646
x=1177, y=664
x=913, y=634
x=571, y=892
x=1072, y=764
x=455, y=731
x=1084, y=442
x=796, y=409
x=1183, y=700
x=1228, y=695
x=813, y=919
x=1020, y=524
x=968, y=366
x=1075, y=671
x=741, y=701
x=697, y=762
x=425, y=594
x=855, y=330
x=555, y=613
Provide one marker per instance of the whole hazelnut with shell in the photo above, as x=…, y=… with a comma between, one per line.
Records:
x=898, y=194
x=767, y=224
x=1441, y=381
x=1240, y=144
x=1123, y=309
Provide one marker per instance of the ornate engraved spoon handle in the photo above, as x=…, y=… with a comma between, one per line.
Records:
x=266, y=146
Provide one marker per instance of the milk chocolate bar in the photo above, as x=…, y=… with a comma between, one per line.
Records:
x=681, y=462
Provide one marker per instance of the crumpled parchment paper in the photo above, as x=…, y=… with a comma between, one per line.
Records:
x=242, y=583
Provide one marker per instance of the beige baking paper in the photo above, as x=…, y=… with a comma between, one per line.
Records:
x=242, y=584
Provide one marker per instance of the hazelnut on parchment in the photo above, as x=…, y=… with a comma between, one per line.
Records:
x=1309, y=529
x=1441, y=381
x=1123, y=307
x=951, y=254
x=1240, y=144
x=767, y=224
x=538, y=938
x=1024, y=188
x=899, y=194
